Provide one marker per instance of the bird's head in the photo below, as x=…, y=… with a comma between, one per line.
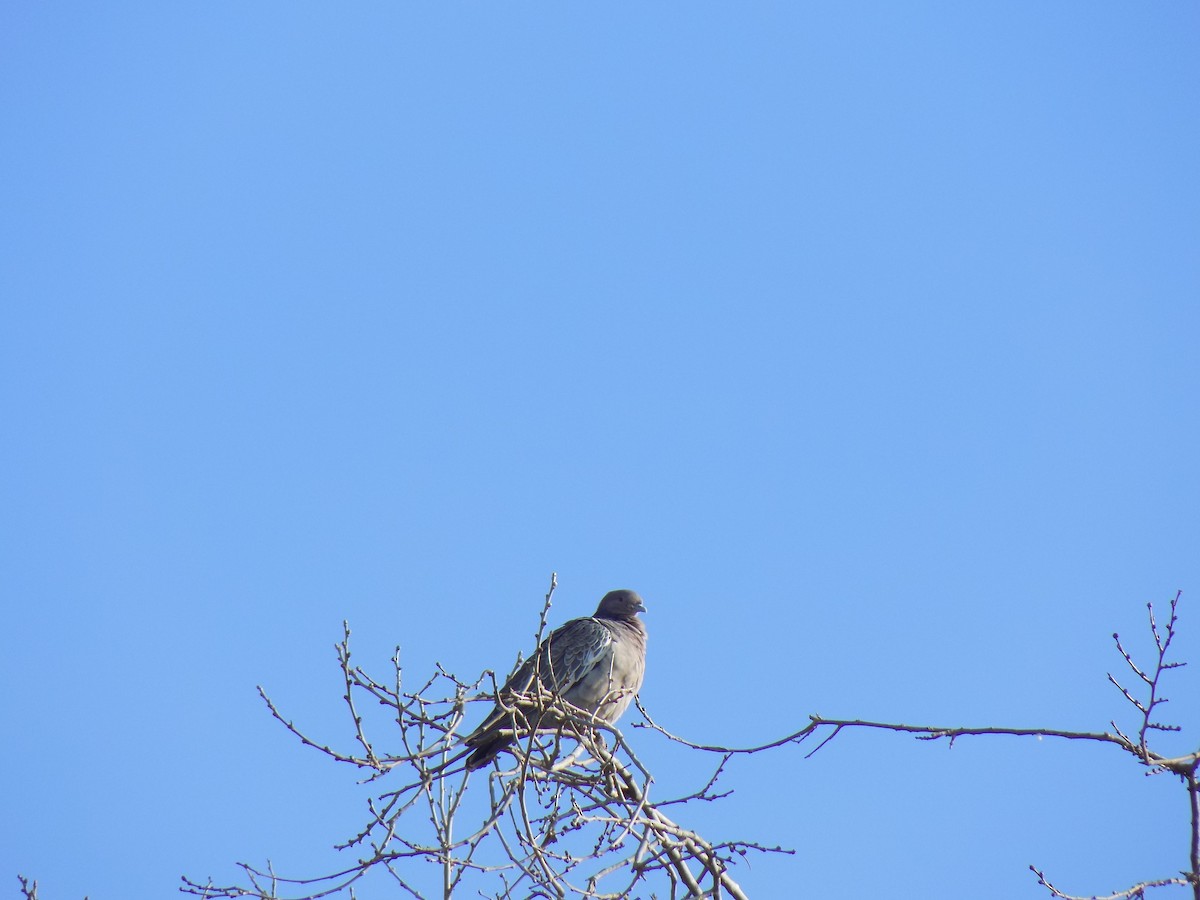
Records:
x=622, y=604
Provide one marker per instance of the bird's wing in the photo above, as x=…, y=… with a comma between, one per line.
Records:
x=562, y=660
x=572, y=651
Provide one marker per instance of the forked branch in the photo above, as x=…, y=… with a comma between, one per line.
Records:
x=1146, y=699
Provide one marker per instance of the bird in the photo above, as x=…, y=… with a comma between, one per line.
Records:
x=595, y=663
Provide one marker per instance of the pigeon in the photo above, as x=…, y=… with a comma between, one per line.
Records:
x=595, y=664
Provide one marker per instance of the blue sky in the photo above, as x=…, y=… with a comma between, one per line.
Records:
x=861, y=339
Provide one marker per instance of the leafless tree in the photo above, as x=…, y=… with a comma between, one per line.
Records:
x=571, y=813
x=575, y=814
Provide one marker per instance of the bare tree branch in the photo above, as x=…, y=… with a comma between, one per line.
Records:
x=1185, y=767
x=1136, y=892
x=566, y=812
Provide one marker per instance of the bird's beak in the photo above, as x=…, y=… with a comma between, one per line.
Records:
x=641, y=607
